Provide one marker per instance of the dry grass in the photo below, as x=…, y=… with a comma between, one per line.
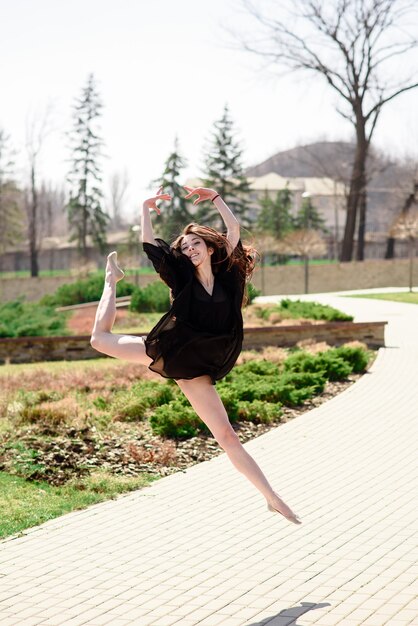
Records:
x=165, y=454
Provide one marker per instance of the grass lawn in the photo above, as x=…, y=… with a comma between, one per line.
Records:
x=14, y=369
x=407, y=296
x=143, y=271
x=25, y=504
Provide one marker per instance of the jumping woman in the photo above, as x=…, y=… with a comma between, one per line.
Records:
x=198, y=341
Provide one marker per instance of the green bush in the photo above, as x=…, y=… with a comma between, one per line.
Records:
x=252, y=292
x=257, y=390
x=87, y=290
x=330, y=364
x=296, y=387
x=176, y=421
x=298, y=309
x=357, y=357
x=259, y=412
x=335, y=367
x=30, y=319
x=155, y=297
x=260, y=367
x=132, y=404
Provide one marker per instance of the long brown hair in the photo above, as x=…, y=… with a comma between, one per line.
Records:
x=244, y=258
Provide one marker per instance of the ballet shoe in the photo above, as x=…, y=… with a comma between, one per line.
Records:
x=291, y=518
x=112, y=261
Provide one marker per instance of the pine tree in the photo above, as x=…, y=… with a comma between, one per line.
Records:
x=275, y=215
x=11, y=217
x=85, y=213
x=309, y=218
x=225, y=174
x=174, y=215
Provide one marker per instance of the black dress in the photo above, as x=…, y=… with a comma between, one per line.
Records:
x=201, y=333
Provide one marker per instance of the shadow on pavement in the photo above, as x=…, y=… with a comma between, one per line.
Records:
x=288, y=617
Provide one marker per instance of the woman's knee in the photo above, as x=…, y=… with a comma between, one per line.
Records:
x=226, y=437
x=95, y=341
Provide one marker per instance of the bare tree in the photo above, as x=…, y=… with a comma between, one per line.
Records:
x=349, y=43
x=37, y=129
x=406, y=227
x=405, y=195
x=11, y=222
x=119, y=182
x=306, y=244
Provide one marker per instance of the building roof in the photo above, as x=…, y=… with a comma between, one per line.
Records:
x=315, y=186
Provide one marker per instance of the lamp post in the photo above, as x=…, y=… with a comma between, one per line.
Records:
x=135, y=229
x=306, y=195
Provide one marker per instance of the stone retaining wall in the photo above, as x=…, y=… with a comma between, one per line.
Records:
x=36, y=349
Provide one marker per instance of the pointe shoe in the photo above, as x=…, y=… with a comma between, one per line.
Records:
x=114, y=267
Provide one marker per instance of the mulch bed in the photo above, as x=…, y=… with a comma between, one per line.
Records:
x=133, y=450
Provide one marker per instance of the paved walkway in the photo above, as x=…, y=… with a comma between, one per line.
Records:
x=200, y=548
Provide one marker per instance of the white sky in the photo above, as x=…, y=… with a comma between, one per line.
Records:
x=163, y=68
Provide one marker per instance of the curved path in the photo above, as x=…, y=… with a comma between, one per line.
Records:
x=200, y=548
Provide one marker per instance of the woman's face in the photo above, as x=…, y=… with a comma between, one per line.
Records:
x=196, y=249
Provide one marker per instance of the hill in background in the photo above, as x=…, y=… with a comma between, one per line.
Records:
x=390, y=180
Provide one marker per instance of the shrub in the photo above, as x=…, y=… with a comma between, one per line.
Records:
x=132, y=404
x=252, y=292
x=328, y=363
x=155, y=297
x=296, y=387
x=298, y=309
x=30, y=319
x=259, y=412
x=259, y=367
x=357, y=357
x=176, y=421
x=87, y=290
x=335, y=367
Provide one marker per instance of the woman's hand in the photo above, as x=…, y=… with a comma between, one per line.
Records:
x=151, y=203
x=202, y=192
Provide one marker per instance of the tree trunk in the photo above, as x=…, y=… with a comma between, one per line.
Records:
x=33, y=214
x=390, y=248
x=356, y=192
x=361, y=225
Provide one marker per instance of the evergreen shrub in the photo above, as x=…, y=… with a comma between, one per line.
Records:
x=252, y=292
x=356, y=356
x=256, y=390
x=30, y=319
x=86, y=290
x=155, y=297
x=298, y=309
x=259, y=412
x=132, y=404
x=176, y=421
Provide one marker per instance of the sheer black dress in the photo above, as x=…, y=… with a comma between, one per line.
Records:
x=201, y=333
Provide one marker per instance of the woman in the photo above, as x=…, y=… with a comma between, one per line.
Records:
x=198, y=341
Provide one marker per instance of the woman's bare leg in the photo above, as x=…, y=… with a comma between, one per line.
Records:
x=102, y=339
x=206, y=402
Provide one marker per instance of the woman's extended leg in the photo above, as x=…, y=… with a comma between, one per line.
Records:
x=126, y=347
x=206, y=402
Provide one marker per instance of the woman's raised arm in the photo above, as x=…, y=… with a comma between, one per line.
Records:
x=231, y=222
x=146, y=225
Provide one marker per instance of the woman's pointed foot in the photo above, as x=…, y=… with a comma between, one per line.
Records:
x=279, y=506
x=113, y=267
